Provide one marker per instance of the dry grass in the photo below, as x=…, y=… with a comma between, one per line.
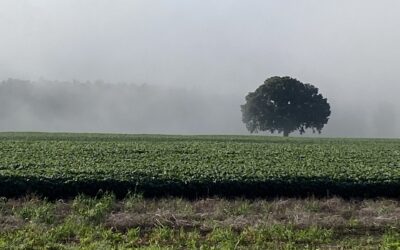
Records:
x=326, y=223
x=350, y=216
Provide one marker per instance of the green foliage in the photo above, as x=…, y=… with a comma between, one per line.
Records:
x=84, y=236
x=37, y=212
x=391, y=240
x=132, y=200
x=93, y=210
x=285, y=104
x=60, y=165
x=224, y=238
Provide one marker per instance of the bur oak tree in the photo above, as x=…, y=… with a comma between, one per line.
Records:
x=284, y=104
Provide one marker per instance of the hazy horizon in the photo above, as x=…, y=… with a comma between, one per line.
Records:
x=200, y=58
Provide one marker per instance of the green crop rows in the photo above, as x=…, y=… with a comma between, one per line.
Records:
x=57, y=165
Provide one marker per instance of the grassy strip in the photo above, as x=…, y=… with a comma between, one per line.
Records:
x=135, y=222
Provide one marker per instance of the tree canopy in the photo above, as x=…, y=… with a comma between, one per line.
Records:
x=284, y=104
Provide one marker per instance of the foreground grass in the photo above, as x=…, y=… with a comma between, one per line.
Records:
x=135, y=222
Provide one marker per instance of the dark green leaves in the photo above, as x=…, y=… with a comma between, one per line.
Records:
x=285, y=104
x=62, y=165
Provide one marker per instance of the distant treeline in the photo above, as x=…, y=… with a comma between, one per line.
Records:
x=106, y=107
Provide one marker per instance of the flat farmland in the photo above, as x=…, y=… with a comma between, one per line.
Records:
x=63, y=165
x=112, y=191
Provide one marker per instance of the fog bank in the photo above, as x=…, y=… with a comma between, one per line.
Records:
x=124, y=108
x=142, y=108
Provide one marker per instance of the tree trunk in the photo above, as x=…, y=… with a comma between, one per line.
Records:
x=285, y=133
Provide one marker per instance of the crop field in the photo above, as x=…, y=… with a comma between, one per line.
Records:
x=64, y=165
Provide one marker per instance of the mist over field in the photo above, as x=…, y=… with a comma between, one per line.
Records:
x=104, y=107
x=184, y=67
x=131, y=108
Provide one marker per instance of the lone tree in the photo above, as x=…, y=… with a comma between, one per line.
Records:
x=285, y=104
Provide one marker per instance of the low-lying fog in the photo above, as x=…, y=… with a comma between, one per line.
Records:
x=130, y=108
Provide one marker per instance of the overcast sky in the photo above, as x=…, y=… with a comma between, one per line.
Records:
x=347, y=48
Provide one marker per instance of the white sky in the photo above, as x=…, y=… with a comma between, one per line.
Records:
x=347, y=48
